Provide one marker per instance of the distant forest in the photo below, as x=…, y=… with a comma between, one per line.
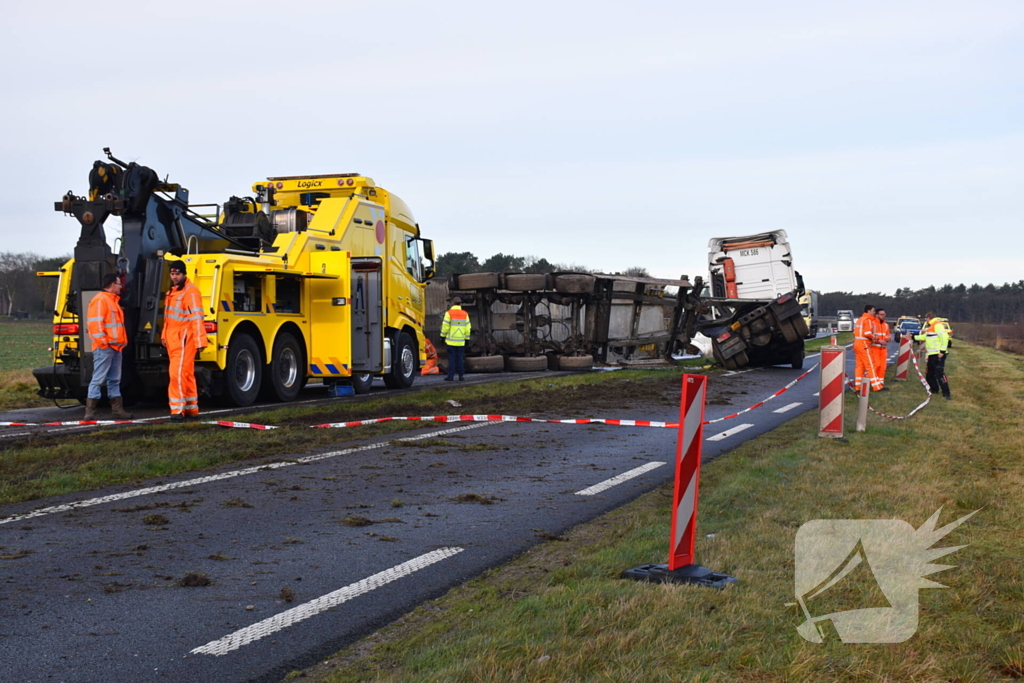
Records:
x=961, y=303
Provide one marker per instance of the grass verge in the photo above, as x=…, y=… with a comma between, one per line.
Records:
x=560, y=612
x=24, y=344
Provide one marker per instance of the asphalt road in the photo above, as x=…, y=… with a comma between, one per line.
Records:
x=89, y=582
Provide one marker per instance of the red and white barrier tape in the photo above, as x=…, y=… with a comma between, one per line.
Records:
x=500, y=418
x=761, y=403
x=433, y=418
x=912, y=412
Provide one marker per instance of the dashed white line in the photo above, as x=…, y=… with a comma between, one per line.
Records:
x=67, y=507
x=619, y=478
x=264, y=628
x=729, y=432
x=786, y=409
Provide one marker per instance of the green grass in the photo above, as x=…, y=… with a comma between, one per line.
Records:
x=560, y=612
x=24, y=344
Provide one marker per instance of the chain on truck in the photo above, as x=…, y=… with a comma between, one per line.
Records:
x=313, y=277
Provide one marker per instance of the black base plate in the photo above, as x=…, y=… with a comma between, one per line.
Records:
x=691, y=573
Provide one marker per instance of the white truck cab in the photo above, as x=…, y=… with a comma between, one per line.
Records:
x=753, y=267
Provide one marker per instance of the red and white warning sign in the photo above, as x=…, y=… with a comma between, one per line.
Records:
x=833, y=379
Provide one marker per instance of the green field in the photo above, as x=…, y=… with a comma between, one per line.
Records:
x=24, y=344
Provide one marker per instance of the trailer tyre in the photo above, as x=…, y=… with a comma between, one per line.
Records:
x=361, y=383
x=287, y=368
x=575, y=363
x=478, y=281
x=403, y=365
x=574, y=284
x=527, y=363
x=526, y=282
x=797, y=360
x=485, y=363
x=244, y=373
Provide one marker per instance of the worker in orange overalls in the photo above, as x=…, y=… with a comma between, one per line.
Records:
x=880, y=348
x=184, y=334
x=863, y=335
x=431, y=366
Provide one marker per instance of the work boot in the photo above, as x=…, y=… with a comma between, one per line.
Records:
x=177, y=417
x=461, y=378
x=91, y=404
x=118, y=411
x=449, y=378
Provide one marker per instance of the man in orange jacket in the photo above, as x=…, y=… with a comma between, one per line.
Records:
x=184, y=335
x=880, y=347
x=105, y=321
x=864, y=333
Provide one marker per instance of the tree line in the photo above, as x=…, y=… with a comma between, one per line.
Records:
x=467, y=262
x=22, y=293
x=963, y=303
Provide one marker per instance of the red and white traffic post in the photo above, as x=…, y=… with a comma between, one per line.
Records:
x=903, y=358
x=682, y=538
x=830, y=391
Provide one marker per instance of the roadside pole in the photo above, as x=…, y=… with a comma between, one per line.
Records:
x=832, y=384
x=681, y=567
x=903, y=359
x=862, y=406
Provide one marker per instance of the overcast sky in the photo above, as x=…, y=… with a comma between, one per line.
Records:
x=887, y=138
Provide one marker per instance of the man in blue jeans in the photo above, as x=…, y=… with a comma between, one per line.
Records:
x=105, y=321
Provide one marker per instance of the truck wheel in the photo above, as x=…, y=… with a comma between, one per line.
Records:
x=403, y=364
x=789, y=331
x=575, y=362
x=361, y=383
x=527, y=363
x=526, y=282
x=478, y=281
x=244, y=372
x=287, y=368
x=798, y=358
x=485, y=363
x=574, y=284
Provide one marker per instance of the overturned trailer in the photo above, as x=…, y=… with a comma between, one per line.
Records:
x=570, y=321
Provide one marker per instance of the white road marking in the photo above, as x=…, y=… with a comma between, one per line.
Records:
x=786, y=409
x=619, y=478
x=817, y=393
x=729, y=432
x=273, y=624
x=67, y=507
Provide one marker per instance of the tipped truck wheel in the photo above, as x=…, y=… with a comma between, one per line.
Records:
x=575, y=362
x=575, y=284
x=404, y=364
x=526, y=282
x=478, y=281
x=485, y=363
x=797, y=360
x=287, y=369
x=244, y=372
x=527, y=363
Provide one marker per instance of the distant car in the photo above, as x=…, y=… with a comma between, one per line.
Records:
x=909, y=326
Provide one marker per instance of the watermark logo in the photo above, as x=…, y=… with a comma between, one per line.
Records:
x=861, y=576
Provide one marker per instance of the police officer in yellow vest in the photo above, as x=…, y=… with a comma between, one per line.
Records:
x=936, y=341
x=455, y=331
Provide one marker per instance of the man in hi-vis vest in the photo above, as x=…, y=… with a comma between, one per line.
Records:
x=936, y=340
x=455, y=331
x=184, y=334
